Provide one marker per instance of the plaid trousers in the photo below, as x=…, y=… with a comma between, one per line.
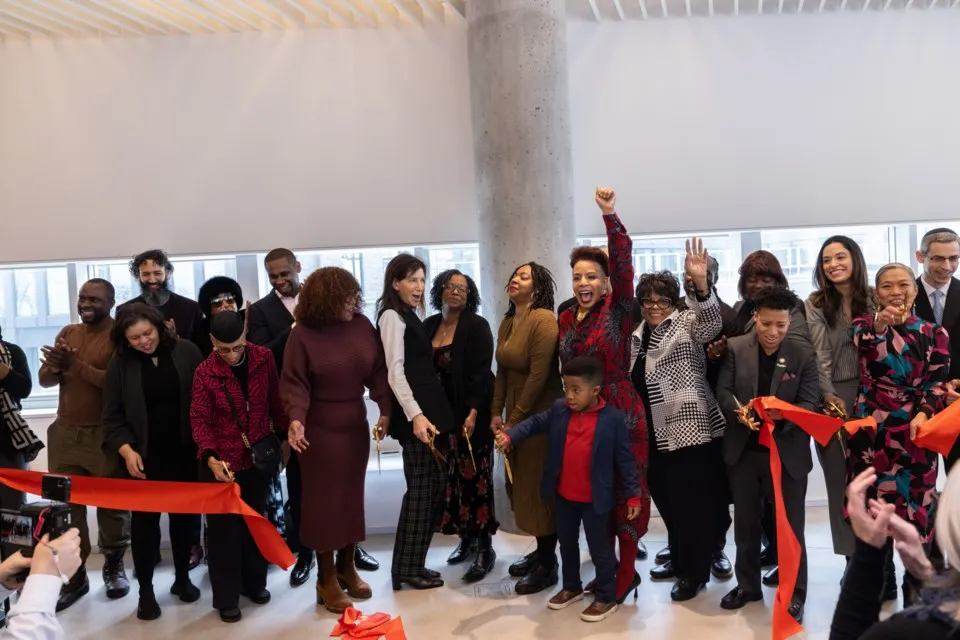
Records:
x=420, y=510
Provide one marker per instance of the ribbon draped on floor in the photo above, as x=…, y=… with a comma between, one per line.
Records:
x=164, y=497
x=353, y=624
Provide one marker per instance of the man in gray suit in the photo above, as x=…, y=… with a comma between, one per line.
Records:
x=765, y=363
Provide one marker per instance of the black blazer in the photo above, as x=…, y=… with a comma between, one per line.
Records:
x=269, y=326
x=795, y=380
x=472, y=372
x=124, y=417
x=951, y=319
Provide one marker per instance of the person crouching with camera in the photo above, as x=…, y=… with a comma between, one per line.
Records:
x=53, y=563
x=234, y=413
x=146, y=421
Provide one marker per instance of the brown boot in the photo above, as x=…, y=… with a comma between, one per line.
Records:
x=348, y=577
x=329, y=593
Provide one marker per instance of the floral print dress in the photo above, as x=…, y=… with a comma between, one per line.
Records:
x=902, y=371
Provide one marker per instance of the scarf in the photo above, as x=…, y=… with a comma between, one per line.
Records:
x=24, y=439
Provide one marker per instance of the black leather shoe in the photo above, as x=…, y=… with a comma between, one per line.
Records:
x=721, y=567
x=463, y=550
x=430, y=574
x=663, y=572
x=114, y=576
x=641, y=550
x=663, y=556
x=772, y=578
x=196, y=557
x=231, y=615
x=258, y=596
x=365, y=561
x=539, y=579
x=481, y=566
x=301, y=570
x=686, y=589
x=739, y=598
x=419, y=582
x=768, y=558
x=796, y=611
x=524, y=565
x=185, y=590
x=78, y=587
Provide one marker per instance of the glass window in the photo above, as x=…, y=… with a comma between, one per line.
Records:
x=117, y=273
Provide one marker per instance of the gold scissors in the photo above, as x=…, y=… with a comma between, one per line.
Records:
x=376, y=437
x=744, y=413
x=506, y=461
x=466, y=435
x=903, y=313
x=840, y=413
x=439, y=457
x=226, y=469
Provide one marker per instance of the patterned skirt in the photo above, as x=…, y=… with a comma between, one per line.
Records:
x=468, y=502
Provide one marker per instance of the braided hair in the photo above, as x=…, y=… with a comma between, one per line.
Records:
x=543, y=287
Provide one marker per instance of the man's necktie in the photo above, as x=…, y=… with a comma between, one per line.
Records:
x=938, y=306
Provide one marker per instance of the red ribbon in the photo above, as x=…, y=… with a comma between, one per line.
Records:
x=164, y=497
x=354, y=624
x=821, y=428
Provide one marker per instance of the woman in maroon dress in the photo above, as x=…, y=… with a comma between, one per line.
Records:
x=600, y=324
x=333, y=353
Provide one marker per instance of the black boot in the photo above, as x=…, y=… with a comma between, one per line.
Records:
x=467, y=546
x=486, y=557
x=114, y=576
x=147, y=607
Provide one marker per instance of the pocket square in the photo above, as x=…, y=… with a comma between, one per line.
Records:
x=788, y=376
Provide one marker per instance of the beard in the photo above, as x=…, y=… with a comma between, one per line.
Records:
x=155, y=297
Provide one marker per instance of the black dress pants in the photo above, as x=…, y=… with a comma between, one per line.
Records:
x=683, y=484
x=235, y=563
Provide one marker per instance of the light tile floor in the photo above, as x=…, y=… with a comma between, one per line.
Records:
x=459, y=611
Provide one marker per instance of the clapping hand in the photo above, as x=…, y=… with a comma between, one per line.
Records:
x=869, y=526
x=695, y=265
x=607, y=200
x=907, y=542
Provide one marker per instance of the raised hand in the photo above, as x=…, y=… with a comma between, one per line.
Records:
x=695, y=265
x=607, y=200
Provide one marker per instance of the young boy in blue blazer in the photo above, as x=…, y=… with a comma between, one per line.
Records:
x=587, y=442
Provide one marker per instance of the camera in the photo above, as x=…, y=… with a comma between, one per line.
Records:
x=22, y=529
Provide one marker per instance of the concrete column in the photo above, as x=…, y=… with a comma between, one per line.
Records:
x=517, y=51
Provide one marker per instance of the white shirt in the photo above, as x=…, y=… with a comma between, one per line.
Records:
x=34, y=615
x=392, y=328
x=929, y=288
x=289, y=303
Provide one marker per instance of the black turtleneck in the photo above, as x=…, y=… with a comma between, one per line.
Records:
x=161, y=395
x=241, y=371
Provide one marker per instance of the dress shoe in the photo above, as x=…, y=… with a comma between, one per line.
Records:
x=641, y=550
x=686, y=589
x=185, y=590
x=524, y=565
x=540, y=578
x=463, y=550
x=430, y=574
x=772, y=578
x=301, y=570
x=364, y=561
x=663, y=556
x=256, y=596
x=739, y=598
x=147, y=607
x=663, y=572
x=720, y=567
x=483, y=565
x=599, y=611
x=114, y=576
x=231, y=614
x=631, y=587
x=419, y=582
x=796, y=611
x=78, y=587
x=768, y=558
x=196, y=557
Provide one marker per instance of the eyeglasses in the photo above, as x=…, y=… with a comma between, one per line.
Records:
x=228, y=350
x=221, y=301
x=938, y=260
x=650, y=303
x=459, y=288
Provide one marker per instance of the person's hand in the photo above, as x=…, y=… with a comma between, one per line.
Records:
x=57, y=357
x=470, y=423
x=171, y=327
x=503, y=440
x=607, y=200
x=134, y=462
x=633, y=512
x=717, y=348
x=918, y=421
x=496, y=425
x=221, y=470
x=9, y=569
x=888, y=317
x=67, y=561
x=383, y=426
x=423, y=429
x=838, y=408
x=907, y=542
x=695, y=265
x=296, y=436
x=4, y=370
x=869, y=526
x=746, y=418
x=951, y=394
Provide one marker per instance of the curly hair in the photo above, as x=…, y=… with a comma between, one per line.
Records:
x=827, y=297
x=156, y=255
x=760, y=264
x=131, y=314
x=662, y=283
x=323, y=296
x=436, y=292
x=776, y=298
x=591, y=254
x=543, y=287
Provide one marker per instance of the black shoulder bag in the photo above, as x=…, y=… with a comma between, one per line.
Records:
x=265, y=452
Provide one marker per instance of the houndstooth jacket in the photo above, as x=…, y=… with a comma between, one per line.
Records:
x=685, y=412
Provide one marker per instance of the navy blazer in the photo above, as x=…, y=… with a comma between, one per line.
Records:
x=611, y=449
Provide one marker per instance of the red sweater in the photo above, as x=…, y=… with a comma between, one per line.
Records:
x=574, y=484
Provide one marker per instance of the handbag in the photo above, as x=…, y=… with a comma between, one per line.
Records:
x=265, y=453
